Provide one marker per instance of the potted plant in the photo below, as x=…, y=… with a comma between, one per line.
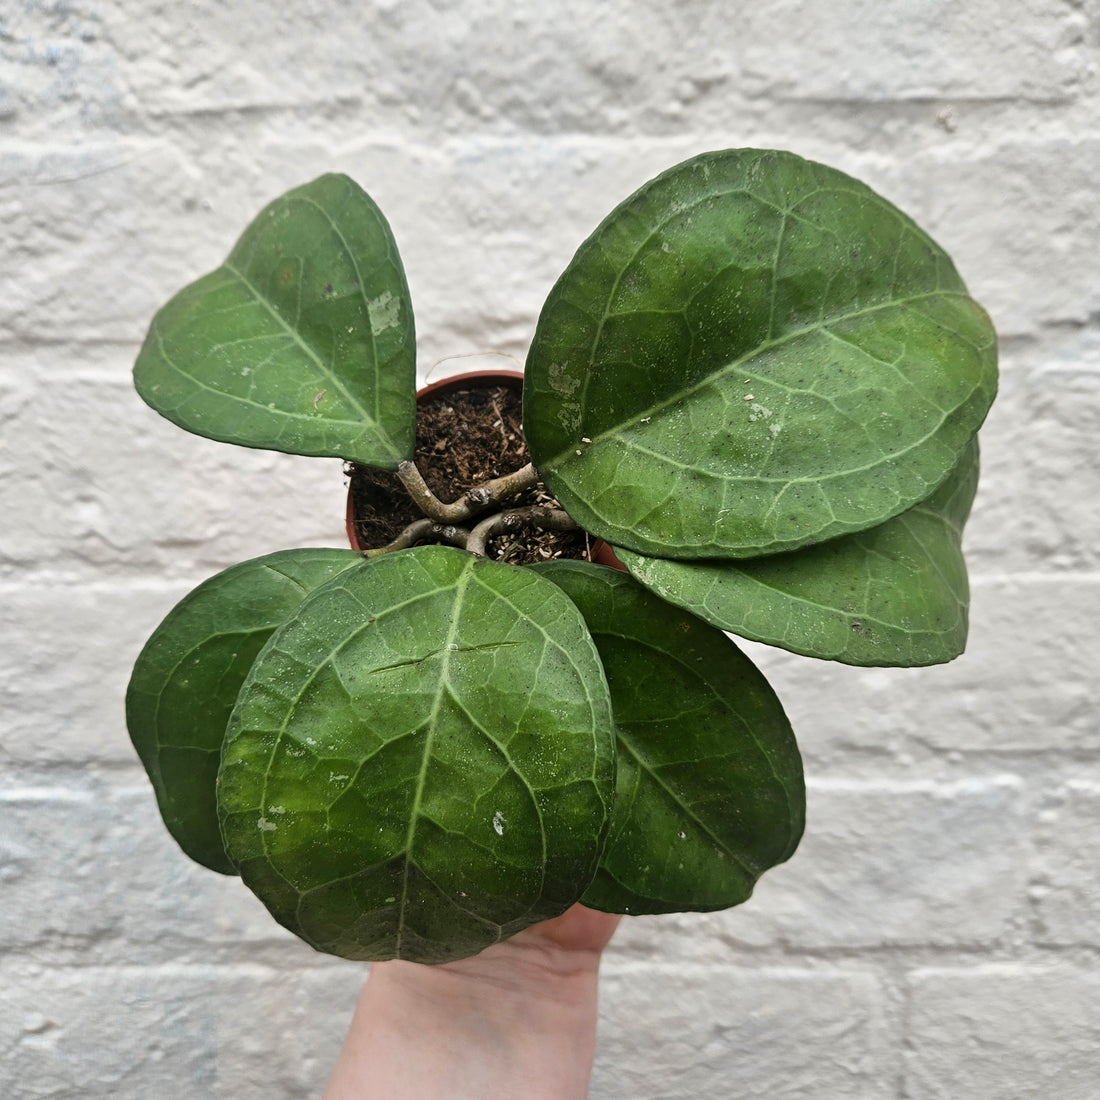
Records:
x=757, y=380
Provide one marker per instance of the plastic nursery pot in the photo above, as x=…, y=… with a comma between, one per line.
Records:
x=600, y=552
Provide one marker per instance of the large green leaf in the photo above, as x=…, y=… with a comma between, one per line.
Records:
x=753, y=353
x=709, y=790
x=421, y=762
x=186, y=680
x=894, y=595
x=302, y=341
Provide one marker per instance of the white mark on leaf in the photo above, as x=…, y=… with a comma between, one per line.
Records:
x=564, y=385
x=561, y=381
x=266, y=826
x=384, y=312
x=498, y=823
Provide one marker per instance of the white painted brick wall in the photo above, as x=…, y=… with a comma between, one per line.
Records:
x=938, y=934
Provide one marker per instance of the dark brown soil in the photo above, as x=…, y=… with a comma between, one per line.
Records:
x=463, y=438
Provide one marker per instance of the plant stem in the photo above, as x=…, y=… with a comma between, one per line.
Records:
x=537, y=515
x=476, y=500
x=422, y=529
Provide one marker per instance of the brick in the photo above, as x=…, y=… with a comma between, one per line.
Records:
x=62, y=684
x=1043, y=270
x=881, y=865
x=1038, y=450
x=91, y=875
x=864, y=51
x=1067, y=904
x=124, y=1033
x=1002, y=1030
x=113, y=485
x=673, y=1034
x=1006, y=694
x=85, y=228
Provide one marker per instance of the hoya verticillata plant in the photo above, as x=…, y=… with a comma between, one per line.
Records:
x=757, y=380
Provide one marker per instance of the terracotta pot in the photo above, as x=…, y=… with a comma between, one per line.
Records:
x=601, y=552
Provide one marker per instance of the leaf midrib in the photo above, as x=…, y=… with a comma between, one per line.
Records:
x=360, y=283
x=737, y=366
x=650, y=770
x=326, y=370
x=462, y=584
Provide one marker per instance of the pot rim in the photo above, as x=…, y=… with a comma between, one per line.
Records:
x=510, y=378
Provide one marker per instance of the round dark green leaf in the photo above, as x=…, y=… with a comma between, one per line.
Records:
x=187, y=677
x=421, y=762
x=709, y=790
x=894, y=595
x=753, y=353
x=302, y=341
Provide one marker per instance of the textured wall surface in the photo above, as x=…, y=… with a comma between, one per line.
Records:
x=938, y=933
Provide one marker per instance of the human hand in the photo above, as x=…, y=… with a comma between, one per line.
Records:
x=518, y=1019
